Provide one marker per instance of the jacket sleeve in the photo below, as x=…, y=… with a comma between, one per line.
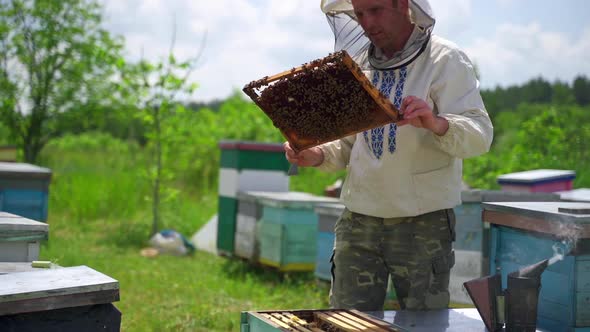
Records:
x=456, y=97
x=337, y=154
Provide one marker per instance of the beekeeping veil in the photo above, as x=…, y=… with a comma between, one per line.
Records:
x=349, y=35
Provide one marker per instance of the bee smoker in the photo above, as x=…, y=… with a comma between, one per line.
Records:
x=513, y=309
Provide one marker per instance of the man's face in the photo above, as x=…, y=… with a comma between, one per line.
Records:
x=381, y=20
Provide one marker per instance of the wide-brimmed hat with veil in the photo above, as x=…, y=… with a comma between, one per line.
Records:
x=349, y=35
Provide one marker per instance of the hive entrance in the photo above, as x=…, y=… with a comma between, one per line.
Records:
x=321, y=101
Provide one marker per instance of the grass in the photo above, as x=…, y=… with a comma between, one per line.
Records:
x=100, y=216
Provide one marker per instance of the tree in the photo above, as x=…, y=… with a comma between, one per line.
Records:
x=54, y=57
x=153, y=89
x=581, y=89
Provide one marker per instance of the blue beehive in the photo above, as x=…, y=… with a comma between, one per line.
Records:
x=525, y=233
x=472, y=236
x=328, y=214
x=287, y=230
x=24, y=190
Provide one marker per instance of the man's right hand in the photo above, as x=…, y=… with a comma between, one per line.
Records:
x=310, y=157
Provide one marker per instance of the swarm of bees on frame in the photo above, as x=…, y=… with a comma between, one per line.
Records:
x=320, y=101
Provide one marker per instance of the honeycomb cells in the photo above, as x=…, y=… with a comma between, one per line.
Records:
x=322, y=102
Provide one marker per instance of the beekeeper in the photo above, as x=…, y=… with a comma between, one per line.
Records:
x=402, y=179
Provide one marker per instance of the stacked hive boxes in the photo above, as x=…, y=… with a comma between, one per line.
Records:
x=246, y=166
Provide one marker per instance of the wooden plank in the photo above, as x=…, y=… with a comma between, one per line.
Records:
x=55, y=288
x=352, y=321
x=324, y=317
x=375, y=321
x=292, y=324
x=299, y=322
x=537, y=225
x=276, y=321
x=365, y=322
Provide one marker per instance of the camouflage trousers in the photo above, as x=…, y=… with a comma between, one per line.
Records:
x=415, y=251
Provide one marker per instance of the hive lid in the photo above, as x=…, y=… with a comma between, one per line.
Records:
x=333, y=209
x=22, y=170
x=11, y=224
x=322, y=101
x=576, y=195
x=290, y=199
x=536, y=176
x=477, y=195
x=50, y=289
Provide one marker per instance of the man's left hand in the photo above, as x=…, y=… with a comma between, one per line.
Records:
x=418, y=113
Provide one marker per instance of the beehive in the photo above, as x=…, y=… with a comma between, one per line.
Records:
x=527, y=232
x=472, y=235
x=538, y=180
x=321, y=101
x=287, y=230
x=313, y=321
x=246, y=166
x=24, y=190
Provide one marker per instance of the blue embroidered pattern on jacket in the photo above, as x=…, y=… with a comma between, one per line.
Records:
x=397, y=102
x=375, y=143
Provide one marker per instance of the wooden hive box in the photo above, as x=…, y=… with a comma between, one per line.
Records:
x=24, y=190
x=287, y=231
x=20, y=238
x=321, y=101
x=473, y=236
x=523, y=233
x=538, y=180
x=335, y=320
x=59, y=299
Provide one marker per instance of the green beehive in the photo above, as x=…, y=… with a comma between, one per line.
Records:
x=287, y=231
x=246, y=166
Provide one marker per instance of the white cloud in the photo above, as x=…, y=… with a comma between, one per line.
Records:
x=517, y=53
x=453, y=16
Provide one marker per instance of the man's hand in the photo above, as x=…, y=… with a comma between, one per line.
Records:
x=310, y=157
x=418, y=114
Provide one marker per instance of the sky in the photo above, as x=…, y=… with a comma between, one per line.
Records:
x=510, y=41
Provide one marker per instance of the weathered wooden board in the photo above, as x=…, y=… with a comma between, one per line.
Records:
x=10, y=223
x=55, y=288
